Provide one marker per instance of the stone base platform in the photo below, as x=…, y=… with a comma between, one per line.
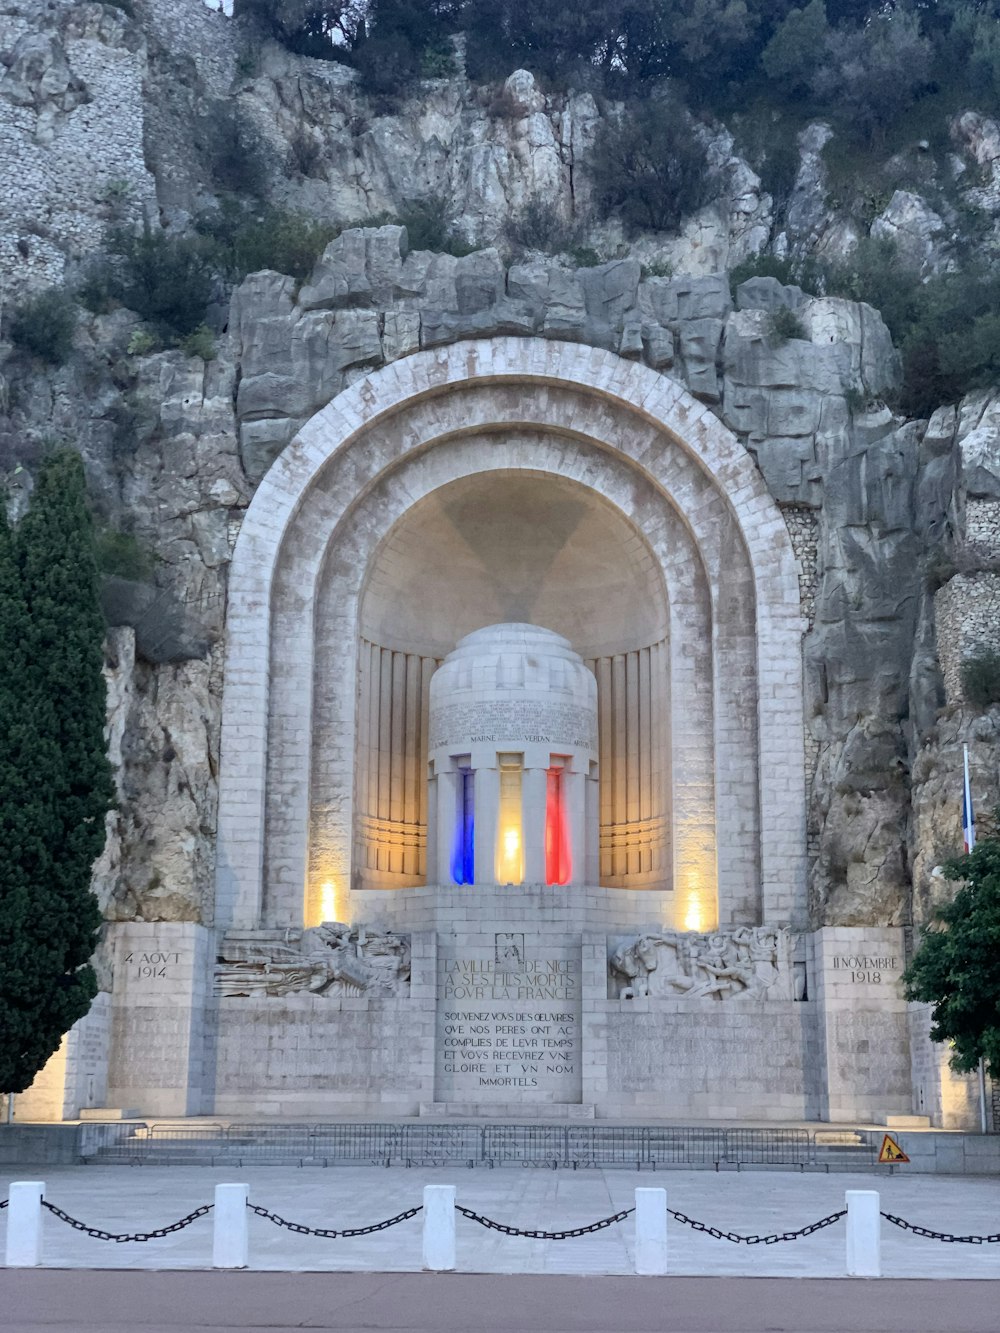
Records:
x=501, y=1111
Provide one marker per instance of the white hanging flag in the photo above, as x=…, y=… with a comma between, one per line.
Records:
x=968, y=814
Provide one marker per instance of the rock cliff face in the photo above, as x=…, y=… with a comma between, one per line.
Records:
x=881, y=510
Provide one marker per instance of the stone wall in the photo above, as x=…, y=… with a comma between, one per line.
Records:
x=661, y=1059
x=71, y=135
x=76, y=1077
x=313, y=1057
x=982, y=527
x=950, y=1100
x=967, y=616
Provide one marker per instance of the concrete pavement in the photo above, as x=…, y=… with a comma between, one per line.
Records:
x=160, y=1302
x=120, y=1198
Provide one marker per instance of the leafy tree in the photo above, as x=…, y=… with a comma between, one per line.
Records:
x=966, y=39
x=44, y=324
x=236, y=155
x=794, y=52
x=309, y=27
x=628, y=40
x=401, y=40
x=957, y=967
x=55, y=781
x=712, y=40
x=873, y=73
x=163, y=278
x=649, y=167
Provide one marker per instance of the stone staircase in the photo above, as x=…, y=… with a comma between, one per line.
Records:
x=575, y=1145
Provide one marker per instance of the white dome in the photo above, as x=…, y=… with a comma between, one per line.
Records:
x=510, y=685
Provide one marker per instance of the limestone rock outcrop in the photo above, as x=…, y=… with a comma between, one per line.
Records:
x=97, y=114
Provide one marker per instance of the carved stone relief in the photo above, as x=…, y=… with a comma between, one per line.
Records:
x=331, y=959
x=753, y=961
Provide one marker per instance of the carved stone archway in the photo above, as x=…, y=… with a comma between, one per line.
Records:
x=681, y=480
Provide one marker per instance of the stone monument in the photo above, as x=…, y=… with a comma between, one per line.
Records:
x=512, y=782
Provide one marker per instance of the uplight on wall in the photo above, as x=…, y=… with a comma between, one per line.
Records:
x=510, y=827
x=693, y=913
x=326, y=901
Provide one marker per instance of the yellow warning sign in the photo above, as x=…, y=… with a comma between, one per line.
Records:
x=891, y=1151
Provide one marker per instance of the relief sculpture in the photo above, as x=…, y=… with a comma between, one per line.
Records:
x=331, y=959
x=752, y=961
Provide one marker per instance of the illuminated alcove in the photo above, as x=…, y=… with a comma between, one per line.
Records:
x=688, y=530
x=505, y=546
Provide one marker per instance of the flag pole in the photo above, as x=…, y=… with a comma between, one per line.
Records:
x=969, y=839
x=968, y=817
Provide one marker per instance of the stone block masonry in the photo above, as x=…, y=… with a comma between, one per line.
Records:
x=72, y=141
x=160, y=1017
x=864, y=1045
x=967, y=621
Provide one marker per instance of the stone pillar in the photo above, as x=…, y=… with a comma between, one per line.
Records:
x=444, y=798
x=533, y=795
x=864, y=1048
x=160, y=1006
x=591, y=873
x=575, y=797
x=433, y=857
x=487, y=803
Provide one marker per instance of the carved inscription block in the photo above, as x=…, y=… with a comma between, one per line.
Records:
x=508, y=1024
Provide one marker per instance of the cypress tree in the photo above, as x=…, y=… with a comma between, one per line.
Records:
x=55, y=781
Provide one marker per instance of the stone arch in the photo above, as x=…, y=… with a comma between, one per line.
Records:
x=597, y=411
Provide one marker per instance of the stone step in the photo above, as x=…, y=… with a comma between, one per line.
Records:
x=506, y=1111
x=104, y=1113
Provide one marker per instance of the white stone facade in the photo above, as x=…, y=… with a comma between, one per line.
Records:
x=407, y=430
x=341, y=731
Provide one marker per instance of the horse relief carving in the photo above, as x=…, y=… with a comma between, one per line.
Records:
x=751, y=961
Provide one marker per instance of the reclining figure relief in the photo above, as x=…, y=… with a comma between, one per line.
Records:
x=331, y=960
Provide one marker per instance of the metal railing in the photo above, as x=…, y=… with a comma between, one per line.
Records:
x=575, y=1147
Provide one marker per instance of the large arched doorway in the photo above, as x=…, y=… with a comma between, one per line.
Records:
x=409, y=456
x=513, y=546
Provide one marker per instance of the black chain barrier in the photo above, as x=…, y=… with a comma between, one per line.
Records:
x=941, y=1235
x=328, y=1233
x=490, y=1225
x=96, y=1233
x=773, y=1239
x=4, y=1203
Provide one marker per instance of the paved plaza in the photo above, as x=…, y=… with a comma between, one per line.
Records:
x=122, y=1199
x=66, y=1302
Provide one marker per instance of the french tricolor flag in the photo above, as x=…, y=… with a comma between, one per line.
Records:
x=968, y=813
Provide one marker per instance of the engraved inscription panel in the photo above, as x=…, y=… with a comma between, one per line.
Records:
x=532, y=721
x=508, y=1024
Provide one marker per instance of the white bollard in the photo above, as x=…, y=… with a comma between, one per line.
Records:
x=230, y=1227
x=864, y=1234
x=439, y=1228
x=651, y=1232
x=24, y=1224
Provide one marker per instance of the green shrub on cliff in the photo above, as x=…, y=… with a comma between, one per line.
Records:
x=43, y=325
x=981, y=677
x=237, y=239
x=650, y=167
x=164, y=279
